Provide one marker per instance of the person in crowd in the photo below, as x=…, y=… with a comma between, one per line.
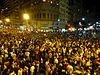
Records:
x=28, y=53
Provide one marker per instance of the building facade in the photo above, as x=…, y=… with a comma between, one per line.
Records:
x=63, y=13
x=10, y=9
x=47, y=13
x=44, y=14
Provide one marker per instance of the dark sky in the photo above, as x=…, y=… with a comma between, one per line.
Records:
x=93, y=6
x=0, y=2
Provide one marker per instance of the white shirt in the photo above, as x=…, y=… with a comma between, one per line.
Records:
x=32, y=69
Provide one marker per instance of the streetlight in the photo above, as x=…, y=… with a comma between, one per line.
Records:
x=26, y=17
x=0, y=21
x=58, y=21
x=44, y=0
x=83, y=19
x=7, y=20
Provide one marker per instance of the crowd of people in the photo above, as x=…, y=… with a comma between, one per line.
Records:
x=27, y=53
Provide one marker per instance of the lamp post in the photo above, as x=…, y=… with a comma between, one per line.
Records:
x=0, y=21
x=26, y=17
x=7, y=20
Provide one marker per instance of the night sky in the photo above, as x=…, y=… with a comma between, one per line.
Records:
x=93, y=6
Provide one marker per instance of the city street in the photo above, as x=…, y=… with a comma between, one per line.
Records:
x=49, y=37
x=47, y=53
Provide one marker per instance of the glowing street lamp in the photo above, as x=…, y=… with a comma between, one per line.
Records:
x=0, y=21
x=26, y=16
x=44, y=0
x=7, y=20
x=83, y=19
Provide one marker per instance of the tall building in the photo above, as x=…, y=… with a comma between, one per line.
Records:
x=10, y=9
x=63, y=13
x=47, y=14
x=43, y=14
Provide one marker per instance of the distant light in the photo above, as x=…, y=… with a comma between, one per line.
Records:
x=44, y=0
x=17, y=28
x=0, y=21
x=58, y=20
x=29, y=30
x=88, y=28
x=69, y=25
x=83, y=19
x=1, y=25
x=26, y=16
x=54, y=27
x=51, y=2
x=97, y=22
x=7, y=20
x=36, y=31
x=21, y=27
x=81, y=29
x=91, y=33
x=63, y=30
x=80, y=23
x=85, y=28
x=89, y=24
x=92, y=25
x=57, y=4
x=94, y=32
x=73, y=29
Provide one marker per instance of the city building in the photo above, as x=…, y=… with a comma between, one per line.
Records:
x=43, y=14
x=46, y=14
x=10, y=9
x=63, y=13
